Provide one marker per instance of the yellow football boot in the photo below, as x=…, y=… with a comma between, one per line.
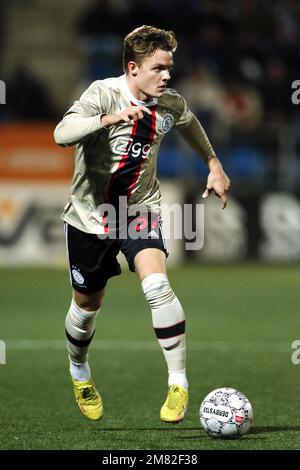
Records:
x=174, y=408
x=88, y=399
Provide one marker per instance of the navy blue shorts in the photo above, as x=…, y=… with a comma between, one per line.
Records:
x=93, y=258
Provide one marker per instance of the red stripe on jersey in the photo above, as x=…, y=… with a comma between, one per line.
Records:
x=153, y=123
x=122, y=162
x=127, y=174
x=138, y=171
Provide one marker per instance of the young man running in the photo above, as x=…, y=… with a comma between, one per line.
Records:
x=117, y=126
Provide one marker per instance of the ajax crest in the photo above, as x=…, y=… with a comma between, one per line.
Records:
x=78, y=277
x=167, y=123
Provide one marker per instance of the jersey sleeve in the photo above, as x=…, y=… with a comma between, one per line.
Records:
x=196, y=137
x=94, y=101
x=191, y=129
x=84, y=116
x=185, y=115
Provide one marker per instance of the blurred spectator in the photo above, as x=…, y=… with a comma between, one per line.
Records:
x=101, y=17
x=204, y=94
x=101, y=28
x=276, y=90
x=241, y=108
x=27, y=97
x=287, y=40
x=212, y=42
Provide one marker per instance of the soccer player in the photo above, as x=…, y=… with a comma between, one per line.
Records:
x=117, y=126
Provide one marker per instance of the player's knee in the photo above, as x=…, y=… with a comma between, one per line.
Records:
x=157, y=290
x=89, y=302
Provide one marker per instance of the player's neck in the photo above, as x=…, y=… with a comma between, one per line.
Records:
x=136, y=92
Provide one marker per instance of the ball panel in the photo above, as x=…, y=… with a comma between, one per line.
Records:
x=229, y=430
x=245, y=428
x=214, y=427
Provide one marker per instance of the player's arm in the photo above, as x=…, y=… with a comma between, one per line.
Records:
x=84, y=117
x=217, y=179
x=74, y=128
x=91, y=114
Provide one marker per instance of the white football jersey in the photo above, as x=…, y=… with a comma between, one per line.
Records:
x=119, y=160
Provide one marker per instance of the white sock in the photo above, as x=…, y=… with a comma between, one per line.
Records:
x=80, y=328
x=169, y=324
x=80, y=372
x=178, y=378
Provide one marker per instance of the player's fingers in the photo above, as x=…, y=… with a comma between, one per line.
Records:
x=224, y=201
x=206, y=193
x=136, y=115
x=143, y=108
x=131, y=118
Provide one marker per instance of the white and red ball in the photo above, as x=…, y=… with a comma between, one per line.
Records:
x=226, y=412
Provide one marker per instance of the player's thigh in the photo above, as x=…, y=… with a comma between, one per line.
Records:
x=89, y=301
x=150, y=261
x=92, y=262
x=146, y=251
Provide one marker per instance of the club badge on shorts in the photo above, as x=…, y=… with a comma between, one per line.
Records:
x=78, y=277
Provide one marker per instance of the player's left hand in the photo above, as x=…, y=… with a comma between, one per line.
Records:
x=217, y=181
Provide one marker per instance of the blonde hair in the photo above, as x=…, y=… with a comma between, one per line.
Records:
x=142, y=42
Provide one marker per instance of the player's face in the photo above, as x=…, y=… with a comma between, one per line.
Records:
x=153, y=74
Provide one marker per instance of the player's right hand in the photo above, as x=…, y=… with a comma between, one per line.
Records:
x=133, y=113
x=129, y=114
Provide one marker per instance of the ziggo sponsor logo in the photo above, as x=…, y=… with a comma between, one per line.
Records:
x=137, y=149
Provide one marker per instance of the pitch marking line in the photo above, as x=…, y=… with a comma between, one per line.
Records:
x=132, y=345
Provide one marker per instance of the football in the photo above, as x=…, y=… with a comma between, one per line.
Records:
x=226, y=412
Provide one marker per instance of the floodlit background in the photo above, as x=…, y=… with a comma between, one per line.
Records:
x=236, y=64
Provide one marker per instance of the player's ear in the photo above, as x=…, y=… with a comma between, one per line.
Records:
x=132, y=68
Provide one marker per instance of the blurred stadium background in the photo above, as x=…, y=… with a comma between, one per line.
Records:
x=235, y=64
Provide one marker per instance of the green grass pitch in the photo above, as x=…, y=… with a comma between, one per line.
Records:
x=241, y=322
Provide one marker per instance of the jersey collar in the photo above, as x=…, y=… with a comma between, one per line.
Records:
x=132, y=98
